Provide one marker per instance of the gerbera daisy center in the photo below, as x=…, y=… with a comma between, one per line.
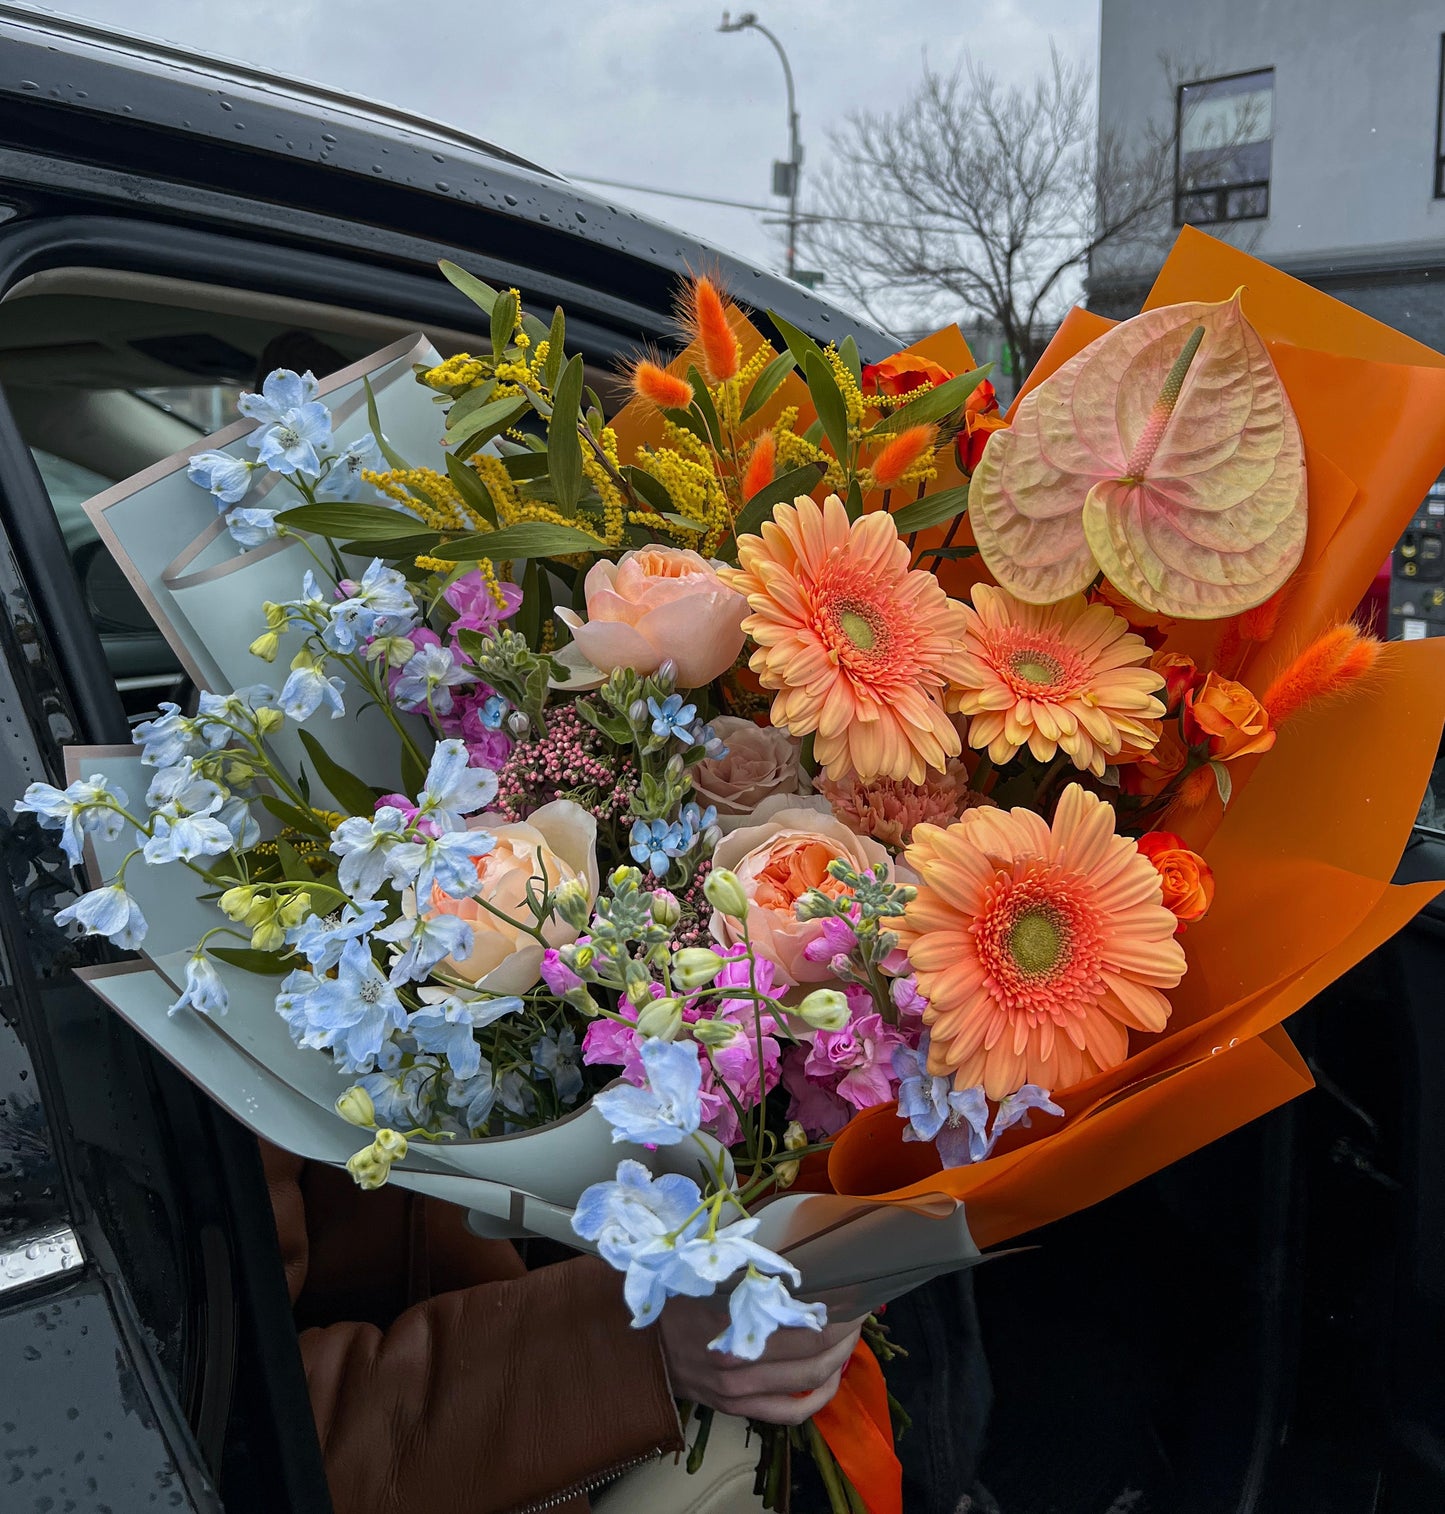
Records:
x=1035, y=666
x=857, y=630
x=1037, y=941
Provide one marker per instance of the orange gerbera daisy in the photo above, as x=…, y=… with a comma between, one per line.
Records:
x=858, y=646
x=1064, y=677
x=1038, y=948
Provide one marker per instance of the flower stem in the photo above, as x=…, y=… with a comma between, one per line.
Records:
x=834, y=1483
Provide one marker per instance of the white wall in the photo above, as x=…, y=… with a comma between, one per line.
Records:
x=1356, y=93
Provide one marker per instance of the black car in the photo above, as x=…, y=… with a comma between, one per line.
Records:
x=1257, y=1328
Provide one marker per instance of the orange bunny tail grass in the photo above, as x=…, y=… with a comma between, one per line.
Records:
x=902, y=454
x=1255, y=625
x=704, y=315
x=1330, y=666
x=1195, y=789
x=759, y=472
x=652, y=382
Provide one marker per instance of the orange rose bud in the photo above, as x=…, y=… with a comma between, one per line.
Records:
x=902, y=374
x=705, y=317
x=653, y=383
x=1179, y=675
x=1187, y=878
x=901, y=453
x=1151, y=772
x=759, y=472
x=1227, y=716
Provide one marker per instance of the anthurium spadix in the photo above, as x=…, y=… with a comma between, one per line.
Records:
x=1165, y=455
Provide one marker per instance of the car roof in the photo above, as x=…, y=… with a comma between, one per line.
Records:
x=74, y=90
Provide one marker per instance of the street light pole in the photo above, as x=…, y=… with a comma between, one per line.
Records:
x=748, y=21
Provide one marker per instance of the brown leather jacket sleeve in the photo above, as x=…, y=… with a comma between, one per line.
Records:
x=503, y=1395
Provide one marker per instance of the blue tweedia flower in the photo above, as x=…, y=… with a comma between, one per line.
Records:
x=108, y=912
x=555, y=1057
x=296, y=426
x=638, y=1223
x=454, y=789
x=672, y=717
x=307, y=688
x=425, y=941
x=667, y=1109
x=353, y=1014
x=365, y=847
x=758, y=1306
x=494, y=712
x=343, y=480
x=447, y=862
x=449, y=1028
x=169, y=738
x=427, y=679
x=227, y=478
x=179, y=836
x=322, y=939
x=957, y=1119
x=252, y=527
x=204, y=992
x=694, y=821
x=713, y=746
x=79, y=810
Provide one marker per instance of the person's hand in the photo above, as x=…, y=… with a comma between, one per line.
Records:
x=797, y=1361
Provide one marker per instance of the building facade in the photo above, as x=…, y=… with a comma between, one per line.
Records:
x=1311, y=133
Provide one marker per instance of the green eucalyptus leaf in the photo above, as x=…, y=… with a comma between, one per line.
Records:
x=525, y=465
x=298, y=819
x=649, y=488
x=800, y=344
x=393, y=548
x=932, y=510
x=848, y=351
x=357, y=522
x=478, y=427
x=702, y=400
x=470, y=285
x=394, y=459
x=782, y=490
x=564, y=446
x=520, y=542
x=935, y=404
x=555, y=337
x=345, y=787
x=504, y=320
x=828, y=401
x=471, y=488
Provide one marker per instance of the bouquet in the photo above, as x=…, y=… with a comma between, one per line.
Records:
x=790, y=833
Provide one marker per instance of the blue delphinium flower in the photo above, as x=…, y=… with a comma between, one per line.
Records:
x=227, y=478
x=667, y=1109
x=252, y=527
x=454, y=788
x=758, y=1306
x=235, y=814
x=182, y=785
x=168, y=738
x=380, y=605
x=81, y=809
x=365, y=847
x=343, y=480
x=177, y=836
x=672, y=717
x=447, y=862
x=108, y=912
x=555, y=1057
x=427, y=679
x=204, y=992
x=448, y=1028
x=474, y=1098
x=322, y=939
x=296, y=427
x=307, y=688
x=515, y=1094
x=425, y=940
x=352, y=1014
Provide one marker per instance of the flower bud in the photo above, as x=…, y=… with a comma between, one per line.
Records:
x=583, y=1002
x=276, y=615
x=295, y=910
x=518, y=723
x=667, y=673
x=825, y=1009
x=637, y=714
x=725, y=893
x=620, y=877
x=794, y=1137
x=268, y=935
x=785, y=1174
x=639, y=986
x=571, y=902
x=356, y=1108
x=390, y=1145
x=666, y=911
x=268, y=720
x=236, y=902
x=695, y=967
x=661, y=1018
x=715, y=1033
x=676, y=767
x=366, y=1171
x=266, y=646
x=581, y=958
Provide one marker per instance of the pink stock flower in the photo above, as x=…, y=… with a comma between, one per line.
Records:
x=835, y=939
x=472, y=597
x=856, y=1061
x=814, y=1106
x=405, y=805
x=558, y=977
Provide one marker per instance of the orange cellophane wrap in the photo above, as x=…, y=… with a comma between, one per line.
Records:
x=1303, y=856
x=858, y=1428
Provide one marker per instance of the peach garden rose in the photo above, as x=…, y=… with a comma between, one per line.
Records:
x=554, y=844
x=778, y=860
x=656, y=603
x=761, y=761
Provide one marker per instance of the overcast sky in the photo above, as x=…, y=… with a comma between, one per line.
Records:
x=644, y=91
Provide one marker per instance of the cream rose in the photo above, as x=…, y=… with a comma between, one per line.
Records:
x=777, y=860
x=552, y=845
x=657, y=603
x=761, y=761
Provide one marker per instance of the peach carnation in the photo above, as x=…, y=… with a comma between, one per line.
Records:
x=889, y=808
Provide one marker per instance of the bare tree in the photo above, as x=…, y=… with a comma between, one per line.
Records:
x=981, y=200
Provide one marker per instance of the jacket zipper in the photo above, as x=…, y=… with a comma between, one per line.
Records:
x=592, y=1484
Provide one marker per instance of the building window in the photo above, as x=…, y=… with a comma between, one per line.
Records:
x=1440, y=127
x=1222, y=145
